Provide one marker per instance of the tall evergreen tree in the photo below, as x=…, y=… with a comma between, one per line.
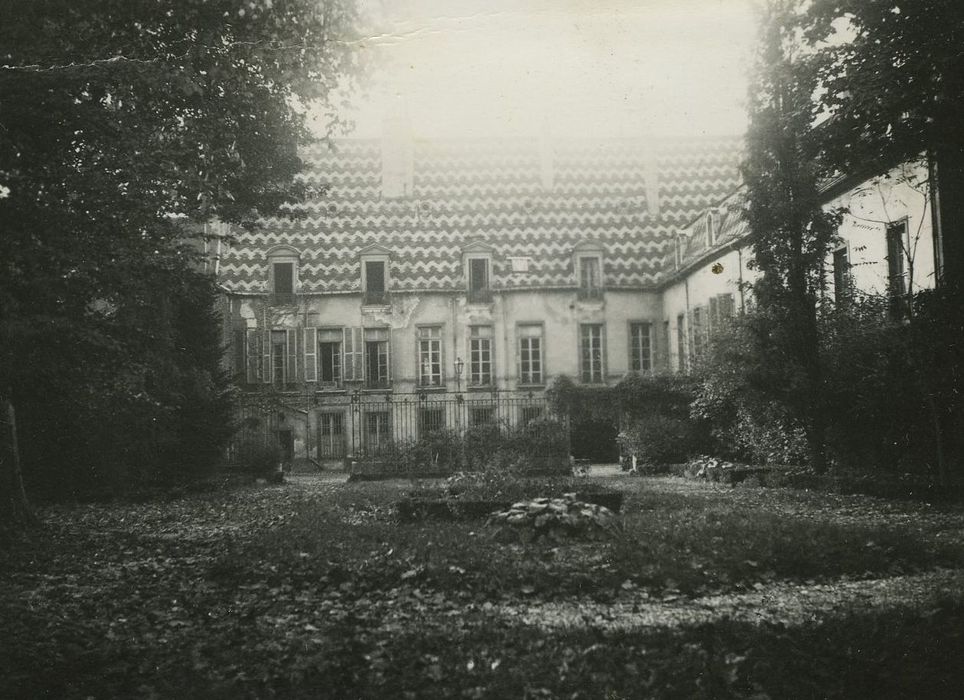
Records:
x=790, y=233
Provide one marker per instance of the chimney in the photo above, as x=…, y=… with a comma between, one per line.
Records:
x=397, y=157
x=546, y=157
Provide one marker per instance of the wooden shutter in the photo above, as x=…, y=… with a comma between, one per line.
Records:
x=311, y=354
x=714, y=320
x=267, y=371
x=291, y=355
x=354, y=366
x=253, y=352
x=726, y=306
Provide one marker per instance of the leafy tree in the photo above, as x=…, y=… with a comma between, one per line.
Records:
x=790, y=234
x=892, y=81
x=121, y=123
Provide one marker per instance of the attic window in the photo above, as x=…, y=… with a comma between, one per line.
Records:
x=588, y=264
x=710, y=228
x=375, y=277
x=283, y=275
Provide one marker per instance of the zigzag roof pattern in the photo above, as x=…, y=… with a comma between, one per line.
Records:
x=491, y=191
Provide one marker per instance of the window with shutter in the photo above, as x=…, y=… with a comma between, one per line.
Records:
x=376, y=358
x=330, y=356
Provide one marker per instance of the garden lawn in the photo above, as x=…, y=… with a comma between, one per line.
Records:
x=313, y=589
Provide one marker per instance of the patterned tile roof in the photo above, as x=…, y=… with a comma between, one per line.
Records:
x=491, y=191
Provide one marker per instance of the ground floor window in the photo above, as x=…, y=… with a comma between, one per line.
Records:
x=331, y=435
x=377, y=431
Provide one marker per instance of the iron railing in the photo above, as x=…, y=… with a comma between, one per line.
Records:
x=359, y=423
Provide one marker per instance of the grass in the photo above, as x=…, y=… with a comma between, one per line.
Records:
x=273, y=593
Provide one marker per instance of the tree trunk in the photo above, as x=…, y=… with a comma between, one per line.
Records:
x=16, y=511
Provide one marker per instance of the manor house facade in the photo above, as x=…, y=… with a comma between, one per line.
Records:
x=432, y=284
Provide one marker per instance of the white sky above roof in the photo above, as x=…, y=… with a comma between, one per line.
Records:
x=471, y=68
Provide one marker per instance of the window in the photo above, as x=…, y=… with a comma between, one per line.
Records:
x=896, y=280
x=841, y=276
x=479, y=290
x=681, y=343
x=480, y=356
x=270, y=356
x=591, y=353
x=590, y=277
x=282, y=275
x=431, y=420
x=640, y=347
x=329, y=356
x=331, y=435
x=284, y=278
x=376, y=293
x=378, y=431
x=710, y=228
x=375, y=275
x=376, y=358
x=482, y=415
x=696, y=331
x=430, y=356
x=530, y=354
x=721, y=309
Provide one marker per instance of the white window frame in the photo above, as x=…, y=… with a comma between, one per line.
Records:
x=377, y=254
x=640, y=354
x=283, y=254
x=481, y=345
x=597, y=345
x=525, y=354
x=589, y=250
x=428, y=342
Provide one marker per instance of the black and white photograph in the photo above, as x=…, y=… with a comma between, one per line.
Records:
x=481, y=349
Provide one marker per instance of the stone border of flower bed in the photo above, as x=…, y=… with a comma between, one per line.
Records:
x=412, y=510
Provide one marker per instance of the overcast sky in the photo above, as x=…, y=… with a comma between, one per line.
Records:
x=583, y=67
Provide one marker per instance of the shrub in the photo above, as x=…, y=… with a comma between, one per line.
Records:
x=481, y=442
x=541, y=446
x=658, y=440
x=259, y=458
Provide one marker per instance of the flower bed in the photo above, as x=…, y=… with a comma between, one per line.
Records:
x=475, y=495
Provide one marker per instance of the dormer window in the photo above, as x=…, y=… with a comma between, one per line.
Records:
x=374, y=276
x=479, y=290
x=478, y=272
x=589, y=266
x=679, y=251
x=282, y=275
x=710, y=228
